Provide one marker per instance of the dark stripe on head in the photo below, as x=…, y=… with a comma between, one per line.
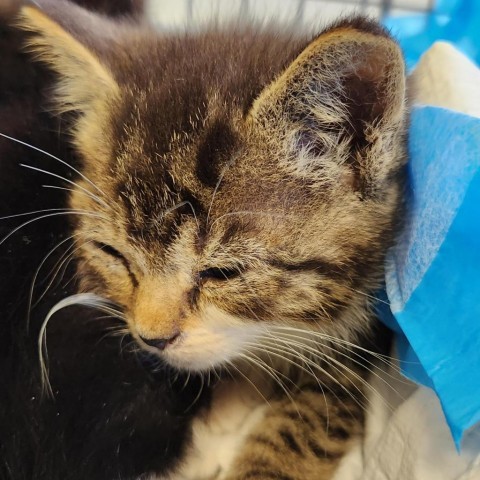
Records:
x=315, y=265
x=214, y=150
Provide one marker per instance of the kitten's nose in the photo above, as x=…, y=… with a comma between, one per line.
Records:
x=160, y=343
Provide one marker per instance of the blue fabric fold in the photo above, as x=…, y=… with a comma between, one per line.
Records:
x=433, y=274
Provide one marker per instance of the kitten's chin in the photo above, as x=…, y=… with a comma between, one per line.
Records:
x=205, y=348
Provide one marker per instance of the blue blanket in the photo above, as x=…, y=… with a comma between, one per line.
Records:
x=433, y=274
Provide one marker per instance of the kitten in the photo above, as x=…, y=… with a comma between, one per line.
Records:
x=237, y=193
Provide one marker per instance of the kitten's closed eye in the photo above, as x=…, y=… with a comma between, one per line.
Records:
x=109, y=250
x=219, y=273
x=114, y=253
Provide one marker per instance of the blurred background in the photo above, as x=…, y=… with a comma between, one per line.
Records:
x=175, y=13
x=416, y=23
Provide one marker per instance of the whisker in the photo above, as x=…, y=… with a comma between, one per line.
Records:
x=186, y=202
x=239, y=371
x=186, y=381
x=33, y=212
x=308, y=369
x=325, y=372
x=317, y=353
x=63, y=162
x=270, y=371
x=70, y=212
x=371, y=297
x=339, y=352
x=64, y=261
x=94, y=197
x=32, y=286
x=200, y=390
x=66, y=189
x=384, y=358
x=333, y=363
x=175, y=207
x=271, y=350
x=84, y=299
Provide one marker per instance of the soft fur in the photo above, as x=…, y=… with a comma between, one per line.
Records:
x=237, y=193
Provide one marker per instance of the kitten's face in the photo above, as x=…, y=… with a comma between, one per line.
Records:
x=235, y=193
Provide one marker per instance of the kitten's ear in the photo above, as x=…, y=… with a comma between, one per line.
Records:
x=83, y=79
x=340, y=104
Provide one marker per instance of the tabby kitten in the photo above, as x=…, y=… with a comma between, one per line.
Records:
x=237, y=195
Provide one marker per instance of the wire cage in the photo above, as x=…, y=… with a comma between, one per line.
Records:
x=167, y=14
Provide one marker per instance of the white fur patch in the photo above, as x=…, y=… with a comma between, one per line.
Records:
x=216, y=340
x=218, y=435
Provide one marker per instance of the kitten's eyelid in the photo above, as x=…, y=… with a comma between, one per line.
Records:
x=113, y=252
x=109, y=250
x=220, y=273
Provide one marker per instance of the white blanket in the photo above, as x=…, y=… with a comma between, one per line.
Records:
x=408, y=438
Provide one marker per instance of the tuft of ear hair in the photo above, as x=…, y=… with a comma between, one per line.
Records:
x=83, y=79
x=341, y=103
x=70, y=41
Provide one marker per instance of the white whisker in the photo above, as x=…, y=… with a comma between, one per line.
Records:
x=239, y=371
x=83, y=299
x=320, y=353
x=32, y=286
x=63, y=162
x=64, y=261
x=66, y=189
x=55, y=214
x=270, y=371
x=200, y=390
x=384, y=358
x=71, y=182
x=302, y=339
x=33, y=212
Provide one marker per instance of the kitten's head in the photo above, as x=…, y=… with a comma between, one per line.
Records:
x=242, y=184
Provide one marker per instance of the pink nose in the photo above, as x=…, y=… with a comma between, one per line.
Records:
x=160, y=343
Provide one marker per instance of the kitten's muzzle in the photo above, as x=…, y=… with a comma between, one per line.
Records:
x=160, y=343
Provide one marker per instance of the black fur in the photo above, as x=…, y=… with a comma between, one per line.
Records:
x=113, y=415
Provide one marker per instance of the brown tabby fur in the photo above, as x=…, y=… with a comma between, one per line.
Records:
x=273, y=161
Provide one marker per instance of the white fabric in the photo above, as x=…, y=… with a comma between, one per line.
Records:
x=408, y=439
x=407, y=436
x=444, y=77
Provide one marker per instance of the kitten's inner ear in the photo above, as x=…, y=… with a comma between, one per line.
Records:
x=340, y=95
x=84, y=81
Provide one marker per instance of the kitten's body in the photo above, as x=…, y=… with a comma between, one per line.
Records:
x=237, y=194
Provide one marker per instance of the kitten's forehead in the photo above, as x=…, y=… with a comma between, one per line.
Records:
x=177, y=83
x=185, y=147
